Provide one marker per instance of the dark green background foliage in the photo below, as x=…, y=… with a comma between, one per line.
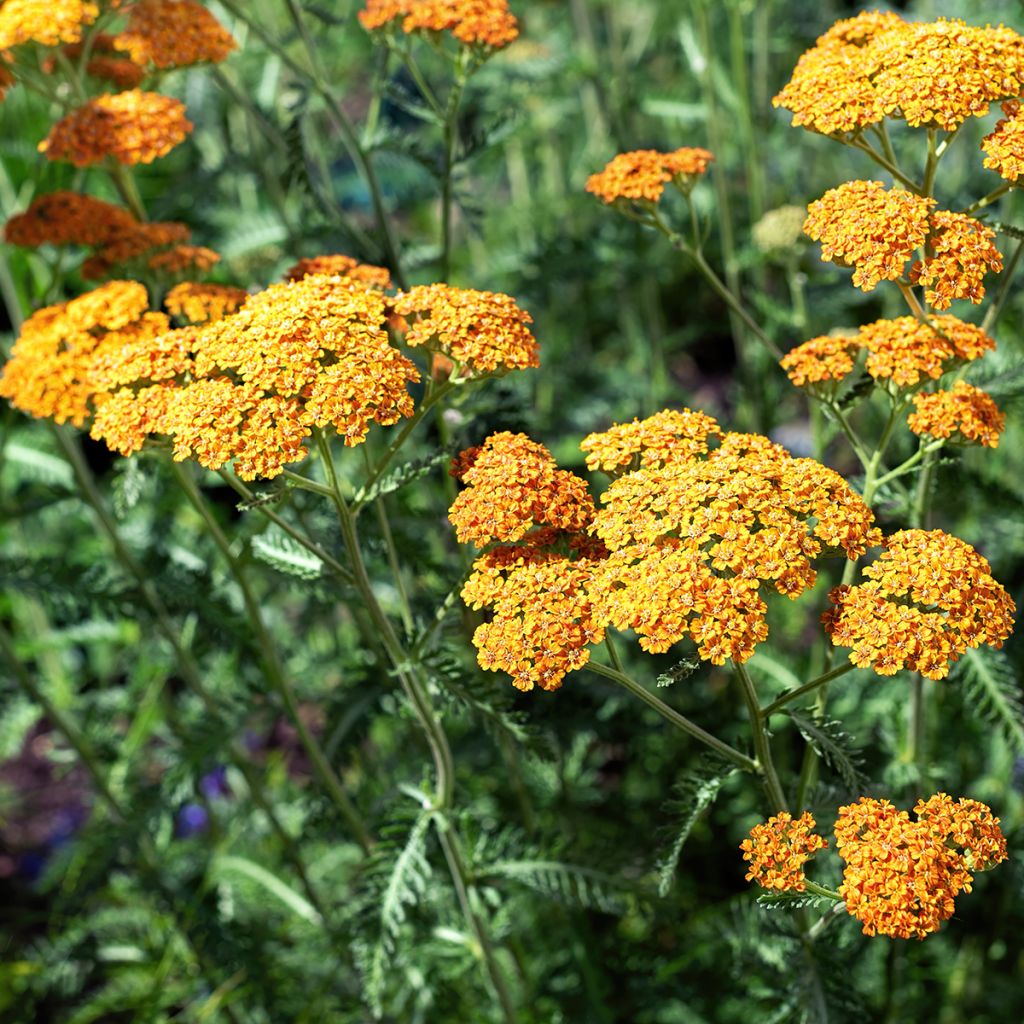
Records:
x=604, y=845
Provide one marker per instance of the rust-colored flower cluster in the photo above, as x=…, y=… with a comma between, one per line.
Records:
x=641, y=175
x=46, y=22
x=202, y=303
x=901, y=876
x=1004, y=148
x=339, y=265
x=903, y=351
x=173, y=33
x=480, y=331
x=928, y=598
x=966, y=414
x=131, y=127
x=67, y=218
x=133, y=246
x=927, y=73
x=778, y=849
x=180, y=260
x=106, y=61
x=687, y=534
x=482, y=23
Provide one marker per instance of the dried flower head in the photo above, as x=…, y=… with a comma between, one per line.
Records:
x=67, y=218
x=966, y=413
x=641, y=176
x=131, y=127
x=481, y=331
x=929, y=597
x=486, y=24
x=1004, y=148
x=339, y=265
x=201, y=303
x=46, y=22
x=780, y=230
x=901, y=876
x=173, y=33
x=778, y=849
x=961, y=252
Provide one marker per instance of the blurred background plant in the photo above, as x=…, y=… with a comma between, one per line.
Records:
x=595, y=838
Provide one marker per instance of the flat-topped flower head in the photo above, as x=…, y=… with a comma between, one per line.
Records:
x=778, y=849
x=67, y=218
x=173, y=33
x=641, y=175
x=1004, y=148
x=961, y=251
x=651, y=442
x=965, y=414
x=130, y=127
x=339, y=265
x=483, y=332
x=485, y=24
x=45, y=22
x=826, y=360
x=901, y=876
x=201, y=303
x=928, y=598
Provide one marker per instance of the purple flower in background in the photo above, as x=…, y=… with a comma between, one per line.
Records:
x=215, y=783
x=191, y=820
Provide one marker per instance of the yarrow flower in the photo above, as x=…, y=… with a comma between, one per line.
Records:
x=780, y=230
x=481, y=331
x=183, y=259
x=483, y=23
x=903, y=351
x=929, y=597
x=641, y=175
x=778, y=849
x=67, y=218
x=966, y=413
x=134, y=243
x=201, y=303
x=173, y=33
x=131, y=127
x=46, y=22
x=961, y=251
x=669, y=434
x=927, y=73
x=338, y=265
x=1004, y=148
x=106, y=61
x=901, y=876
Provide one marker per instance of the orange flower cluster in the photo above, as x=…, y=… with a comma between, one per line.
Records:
x=173, y=33
x=966, y=411
x=183, y=259
x=48, y=372
x=684, y=540
x=641, y=176
x=202, y=303
x=901, y=876
x=132, y=127
x=484, y=23
x=929, y=597
x=1004, y=148
x=338, y=265
x=46, y=22
x=961, y=251
x=481, y=331
x=927, y=73
x=778, y=849
x=904, y=351
x=67, y=218
x=107, y=62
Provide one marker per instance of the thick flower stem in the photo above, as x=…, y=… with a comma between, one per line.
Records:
x=762, y=746
x=800, y=691
x=273, y=670
x=673, y=717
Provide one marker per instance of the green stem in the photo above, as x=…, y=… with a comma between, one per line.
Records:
x=987, y=200
x=451, y=138
x=866, y=147
x=820, y=890
x=779, y=703
x=904, y=467
x=994, y=311
x=674, y=718
x=762, y=746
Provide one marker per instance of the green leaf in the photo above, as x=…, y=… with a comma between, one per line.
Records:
x=406, y=474
x=792, y=900
x=285, y=555
x=992, y=693
x=35, y=466
x=569, y=884
x=18, y=717
x=227, y=864
x=682, y=670
x=834, y=746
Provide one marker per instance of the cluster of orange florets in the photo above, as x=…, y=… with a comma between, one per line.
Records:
x=641, y=175
x=960, y=252
x=339, y=265
x=901, y=876
x=67, y=218
x=130, y=127
x=903, y=351
x=201, y=303
x=484, y=23
x=687, y=534
x=877, y=65
x=966, y=413
x=105, y=61
x=778, y=849
x=928, y=598
x=1004, y=148
x=46, y=22
x=173, y=33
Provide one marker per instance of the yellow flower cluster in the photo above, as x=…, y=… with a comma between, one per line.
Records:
x=901, y=876
x=202, y=303
x=46, y=22
x=484, y=23
x=173, y=33
x=966, y=412
x=338, y=265
x=926, y=73
x=131, y=127
x=641, y=175
x=1004, y=148
x=684, y=540
x=778, y=849
x=929, y=597
x=903, y=351
x=480, y=331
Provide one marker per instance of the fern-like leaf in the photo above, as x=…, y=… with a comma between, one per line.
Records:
x=406, y=474
x=992, y=693
x=285, y=555
x=834, y=746
x=791, y=900
x=568, y=884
